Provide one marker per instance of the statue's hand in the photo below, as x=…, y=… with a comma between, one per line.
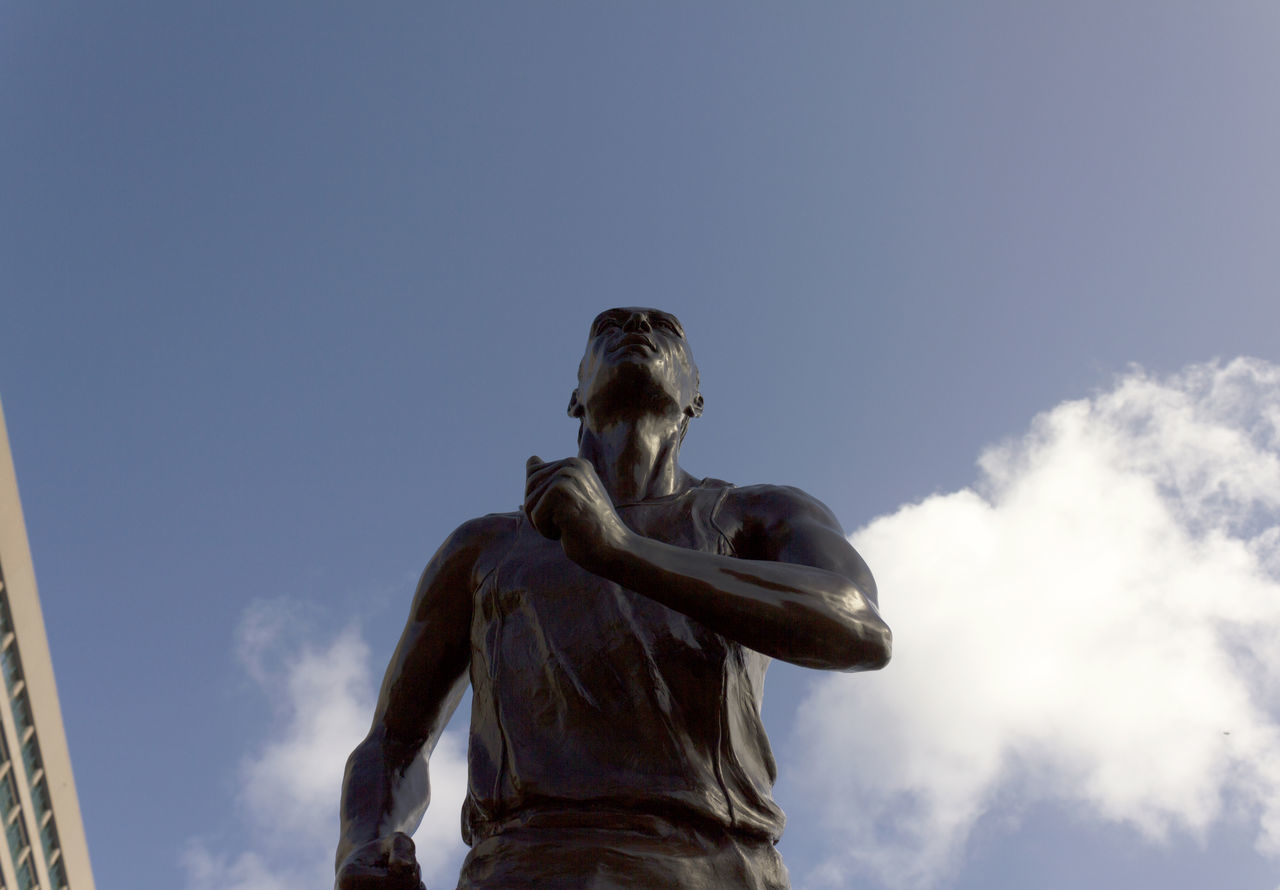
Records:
x=565, y=501
x=387, y=863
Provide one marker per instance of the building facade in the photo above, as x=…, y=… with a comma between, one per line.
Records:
x=43, y=846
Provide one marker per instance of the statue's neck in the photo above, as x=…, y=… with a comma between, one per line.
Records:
x=636, y=458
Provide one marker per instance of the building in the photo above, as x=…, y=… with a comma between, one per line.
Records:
x=44, y=844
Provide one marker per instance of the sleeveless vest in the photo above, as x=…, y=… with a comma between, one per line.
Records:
x=592, y=703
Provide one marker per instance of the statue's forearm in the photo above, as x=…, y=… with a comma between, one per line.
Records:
x=385, y=790
x=386, y=787
x=804, y=615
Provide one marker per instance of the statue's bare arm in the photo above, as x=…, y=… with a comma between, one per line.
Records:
x=798, y=591
x=386, y=787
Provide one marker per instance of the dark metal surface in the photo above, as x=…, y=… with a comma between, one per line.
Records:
x=616, y=635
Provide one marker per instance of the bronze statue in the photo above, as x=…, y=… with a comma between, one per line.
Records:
x=616, y=634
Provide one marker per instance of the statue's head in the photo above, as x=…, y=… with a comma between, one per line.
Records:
x=637, y=358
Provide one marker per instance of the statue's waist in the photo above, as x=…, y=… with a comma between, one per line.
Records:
x=606, y=848
x=673, y=825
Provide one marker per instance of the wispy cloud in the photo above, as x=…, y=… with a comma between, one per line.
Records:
x=323, y=690
x=1095, y=623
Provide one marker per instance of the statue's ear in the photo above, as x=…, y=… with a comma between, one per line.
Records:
x=695, y=410
x=575, y=407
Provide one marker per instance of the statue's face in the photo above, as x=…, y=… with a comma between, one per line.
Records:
x=639, y=345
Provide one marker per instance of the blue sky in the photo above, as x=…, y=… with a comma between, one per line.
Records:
x=289, y=291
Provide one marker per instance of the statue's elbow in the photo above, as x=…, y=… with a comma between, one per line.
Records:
x=870, y=650
x=881, y=649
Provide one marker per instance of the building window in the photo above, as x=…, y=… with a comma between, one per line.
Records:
x=17, y=835
x=31, y=759
x=12, y=668
x=8, y=794
x=22, y=714
x=49, y=839
x=40, y=794
x=27, y=875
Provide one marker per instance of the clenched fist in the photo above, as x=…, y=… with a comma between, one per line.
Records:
x=387, y=863
x=566, y=502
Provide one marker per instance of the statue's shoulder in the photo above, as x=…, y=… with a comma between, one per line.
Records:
x=480, y=542
x=756, y=517
x=765, y=503
x=490, y=525
x=490, y=530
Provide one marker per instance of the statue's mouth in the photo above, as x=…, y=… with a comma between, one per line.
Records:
x=629, y=341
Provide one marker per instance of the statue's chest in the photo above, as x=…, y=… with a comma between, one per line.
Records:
x=538, y=607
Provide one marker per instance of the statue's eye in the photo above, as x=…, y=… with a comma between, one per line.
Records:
x=605, y=324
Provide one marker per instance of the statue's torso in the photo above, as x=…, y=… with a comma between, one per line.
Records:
x=591, y=699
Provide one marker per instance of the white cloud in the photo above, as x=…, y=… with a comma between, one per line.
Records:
x=439, y=838
x=1096, y=623
x=324, y=693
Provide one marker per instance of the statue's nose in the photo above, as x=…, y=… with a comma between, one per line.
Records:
x=638, y=321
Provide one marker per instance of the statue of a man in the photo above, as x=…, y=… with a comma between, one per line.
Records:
x=615, y=634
